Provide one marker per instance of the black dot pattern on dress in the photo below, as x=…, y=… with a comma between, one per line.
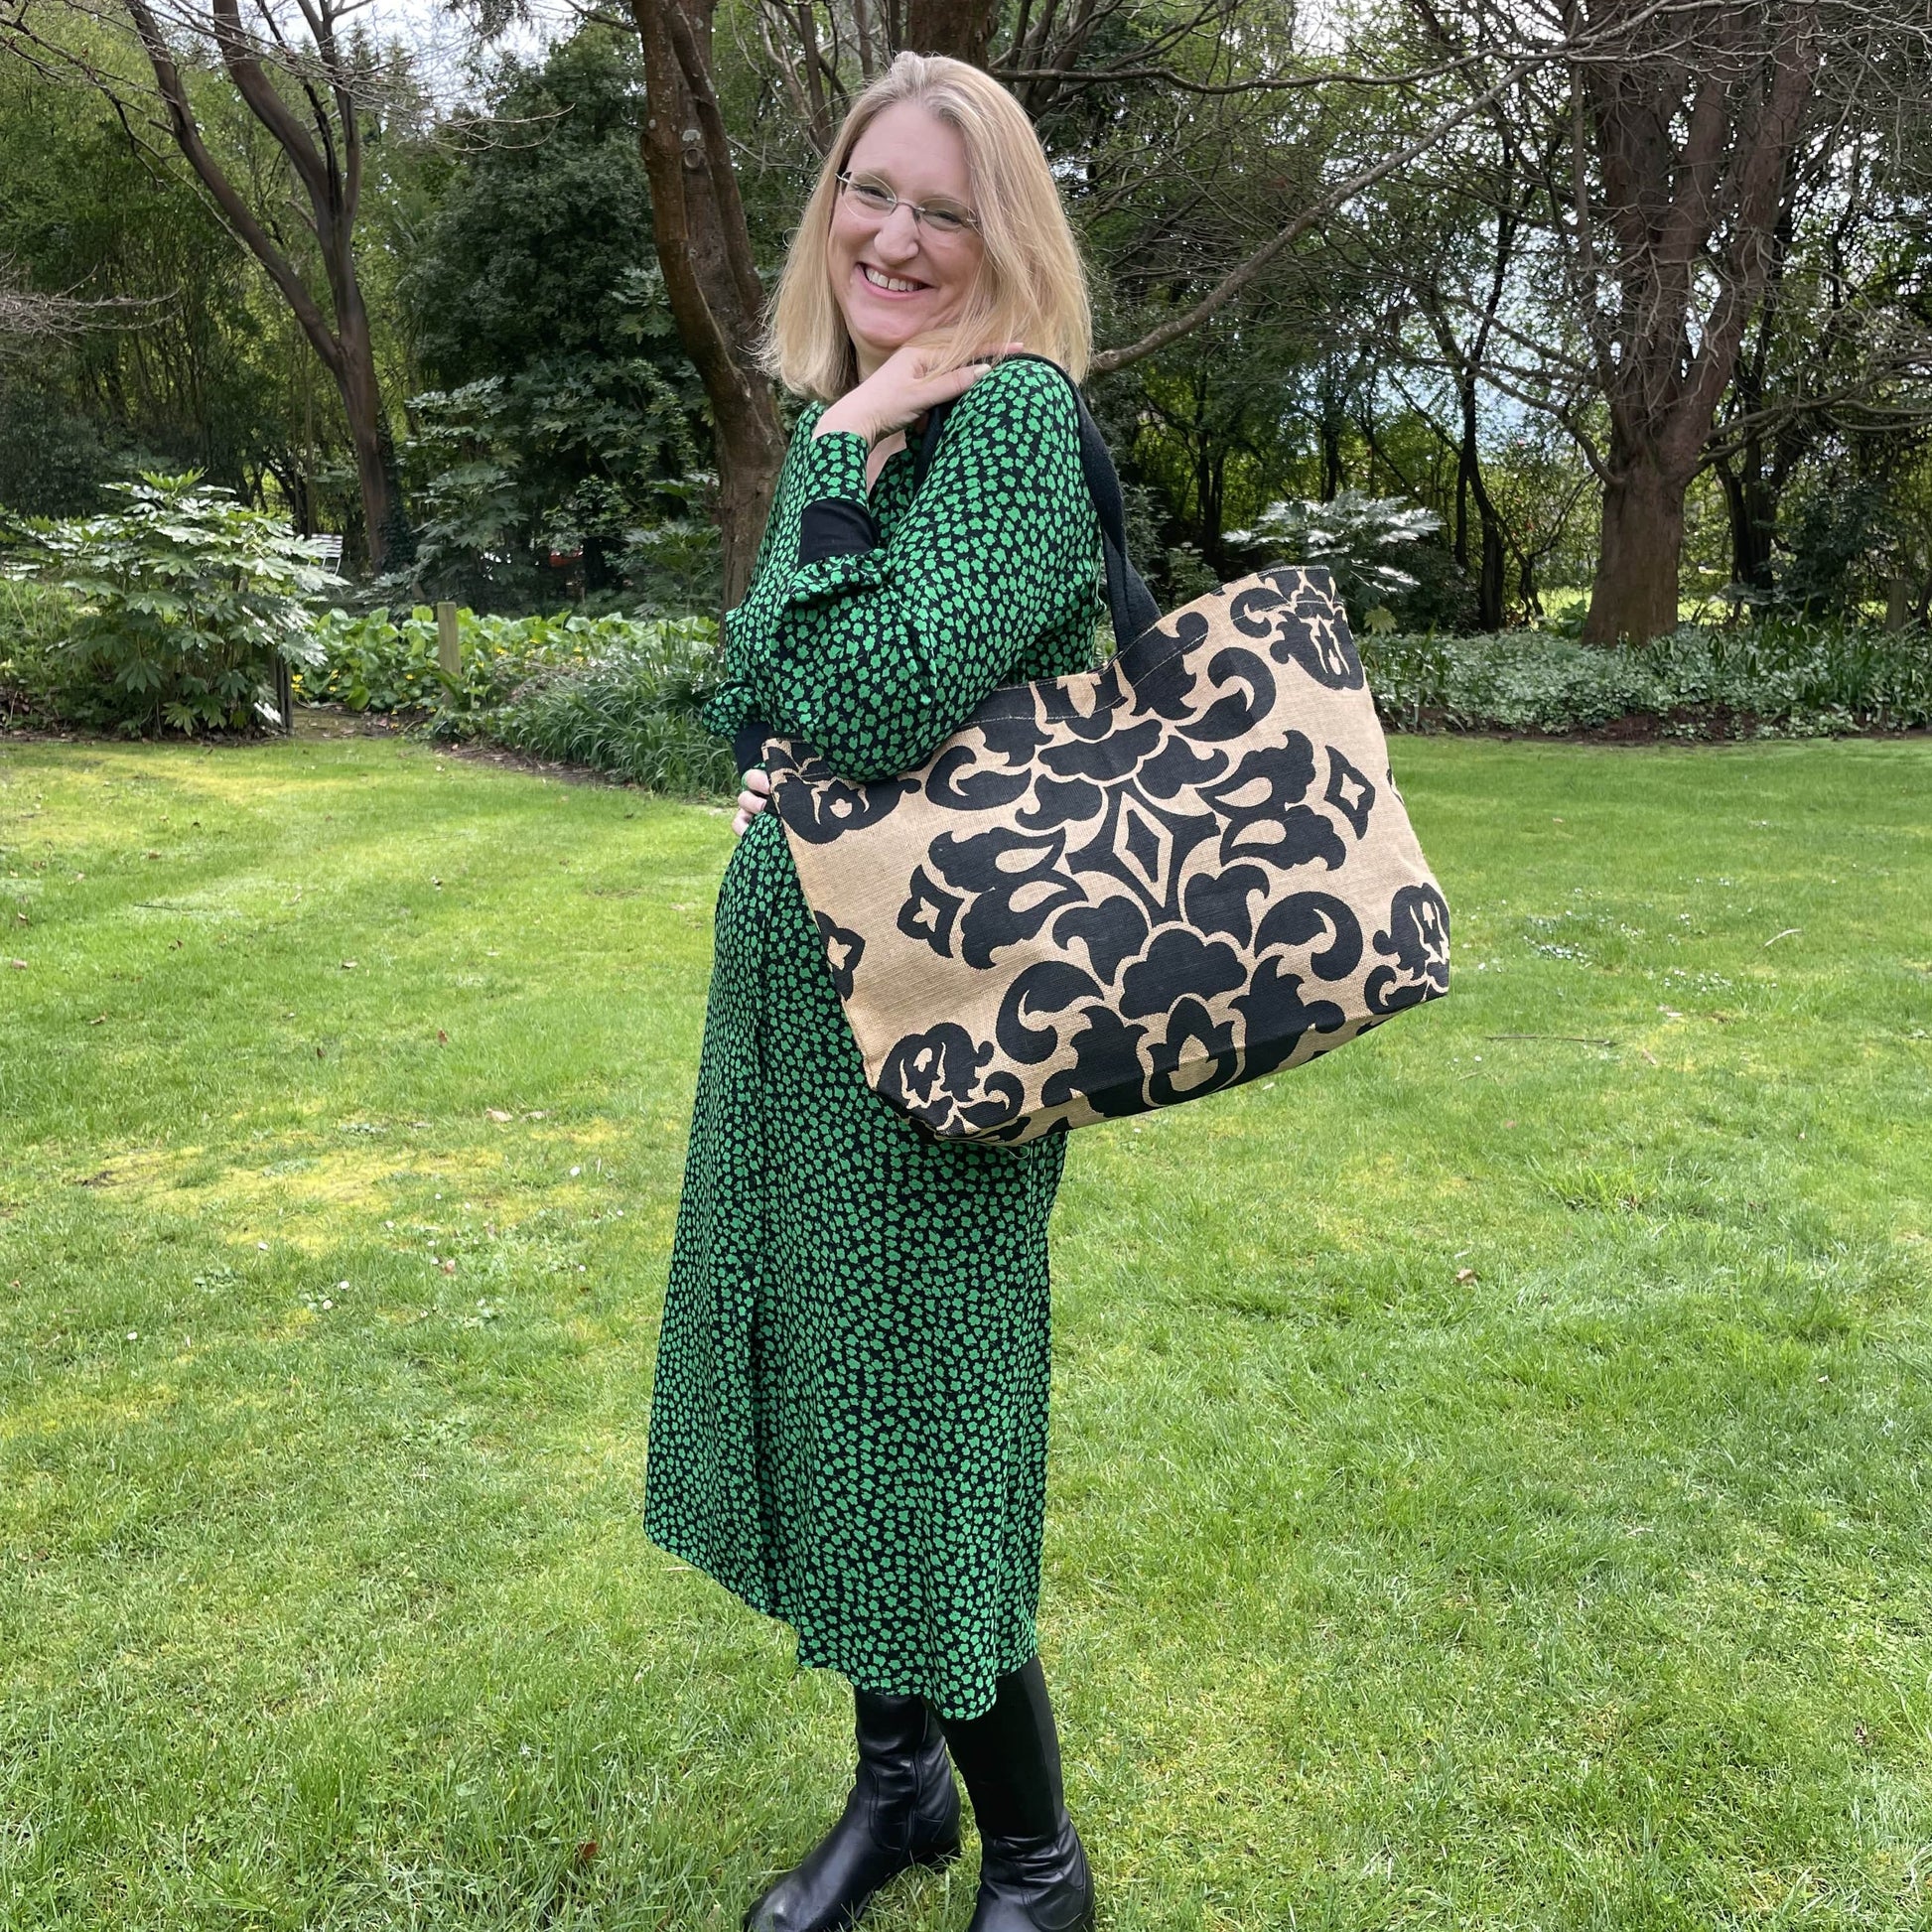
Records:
x=848, y=1427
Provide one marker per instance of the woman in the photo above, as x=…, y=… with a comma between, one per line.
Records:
x=849, y=1423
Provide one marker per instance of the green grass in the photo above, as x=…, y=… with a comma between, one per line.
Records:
x=1488, y=1476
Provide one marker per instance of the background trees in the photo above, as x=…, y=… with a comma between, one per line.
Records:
x=1634, y=299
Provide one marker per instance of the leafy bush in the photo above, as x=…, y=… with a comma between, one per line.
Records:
x=180, y=605
x=35, y=674
x=1785, y=676
x=378, y=663
x=619, y=694
x=1355, y=535
x=629, y=710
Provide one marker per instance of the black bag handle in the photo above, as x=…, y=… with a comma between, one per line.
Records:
x=1129, y=602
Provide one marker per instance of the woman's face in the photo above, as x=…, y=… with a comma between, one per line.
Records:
x=896, y=278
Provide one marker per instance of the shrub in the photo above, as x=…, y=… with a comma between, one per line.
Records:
x=35, y=674
x=1782, y=676
x=1357, y=536
x=629, y=710
x=619, y=694
x=180, y=605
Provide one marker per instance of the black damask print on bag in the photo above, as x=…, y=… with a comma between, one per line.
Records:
x=1134, y=887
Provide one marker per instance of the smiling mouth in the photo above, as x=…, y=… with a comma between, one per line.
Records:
x=890, y=284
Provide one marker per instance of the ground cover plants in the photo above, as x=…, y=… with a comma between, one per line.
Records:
x=615, y=693
x=1487, y=1477
x=1780, y=677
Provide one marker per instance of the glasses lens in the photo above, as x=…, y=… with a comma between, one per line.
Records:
x=875, y=196
x=946, y=219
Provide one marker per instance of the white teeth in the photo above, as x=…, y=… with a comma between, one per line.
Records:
x=880, y=281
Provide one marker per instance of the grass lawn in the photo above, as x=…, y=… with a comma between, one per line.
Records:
x=1489, y=1479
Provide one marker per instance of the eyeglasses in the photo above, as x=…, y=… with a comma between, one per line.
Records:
x=877, y=200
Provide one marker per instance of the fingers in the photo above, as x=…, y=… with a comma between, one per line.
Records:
x=740, y=826
x=752, y=799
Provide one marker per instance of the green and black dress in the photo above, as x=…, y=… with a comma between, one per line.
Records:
x=848, y=1427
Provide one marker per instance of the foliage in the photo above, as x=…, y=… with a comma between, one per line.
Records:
x=182, y=602
x=573, y=473
x=1777, y=676
x=630, y=709
x=619, y=694
x=1355, y=535
x=563, y=420
x=54, y=455
x=37, y=676
x=188, y=366
x=1848, y=536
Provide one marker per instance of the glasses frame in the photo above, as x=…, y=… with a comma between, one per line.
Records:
x=920, y=215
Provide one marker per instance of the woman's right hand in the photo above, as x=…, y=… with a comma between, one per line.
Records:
x=751, y=800
x=900, y=390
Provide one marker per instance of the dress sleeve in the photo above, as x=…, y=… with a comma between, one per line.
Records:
x=873, y=653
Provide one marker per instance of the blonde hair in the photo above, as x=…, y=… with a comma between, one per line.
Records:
x=1032, y=286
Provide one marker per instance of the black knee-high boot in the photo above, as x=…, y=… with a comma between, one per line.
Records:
x=1034, y=1875
x=903, y=1810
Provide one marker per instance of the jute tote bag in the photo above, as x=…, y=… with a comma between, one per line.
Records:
x=1117, y=891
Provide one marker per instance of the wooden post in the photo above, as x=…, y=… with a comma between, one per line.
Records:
x=449, y=655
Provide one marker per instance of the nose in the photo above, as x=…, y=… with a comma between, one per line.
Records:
x=899, y=233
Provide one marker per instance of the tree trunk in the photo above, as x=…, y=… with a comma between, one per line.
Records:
x=961, y=28
x=1469, y=484
x=1751, y=508
x=1526, y=586
x=1489, y=580
x=1634, y=595
x=368, y=434
x=325, y=156
x=1332, y=477
x=703, y=248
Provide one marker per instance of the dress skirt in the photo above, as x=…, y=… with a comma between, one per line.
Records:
x=849, y=1423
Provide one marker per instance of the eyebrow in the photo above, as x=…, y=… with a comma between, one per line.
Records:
x=885, y=180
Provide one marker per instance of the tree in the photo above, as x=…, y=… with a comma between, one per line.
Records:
x=562, y=416
x=309, y=95
x=711, y=279
x=1693, y=129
